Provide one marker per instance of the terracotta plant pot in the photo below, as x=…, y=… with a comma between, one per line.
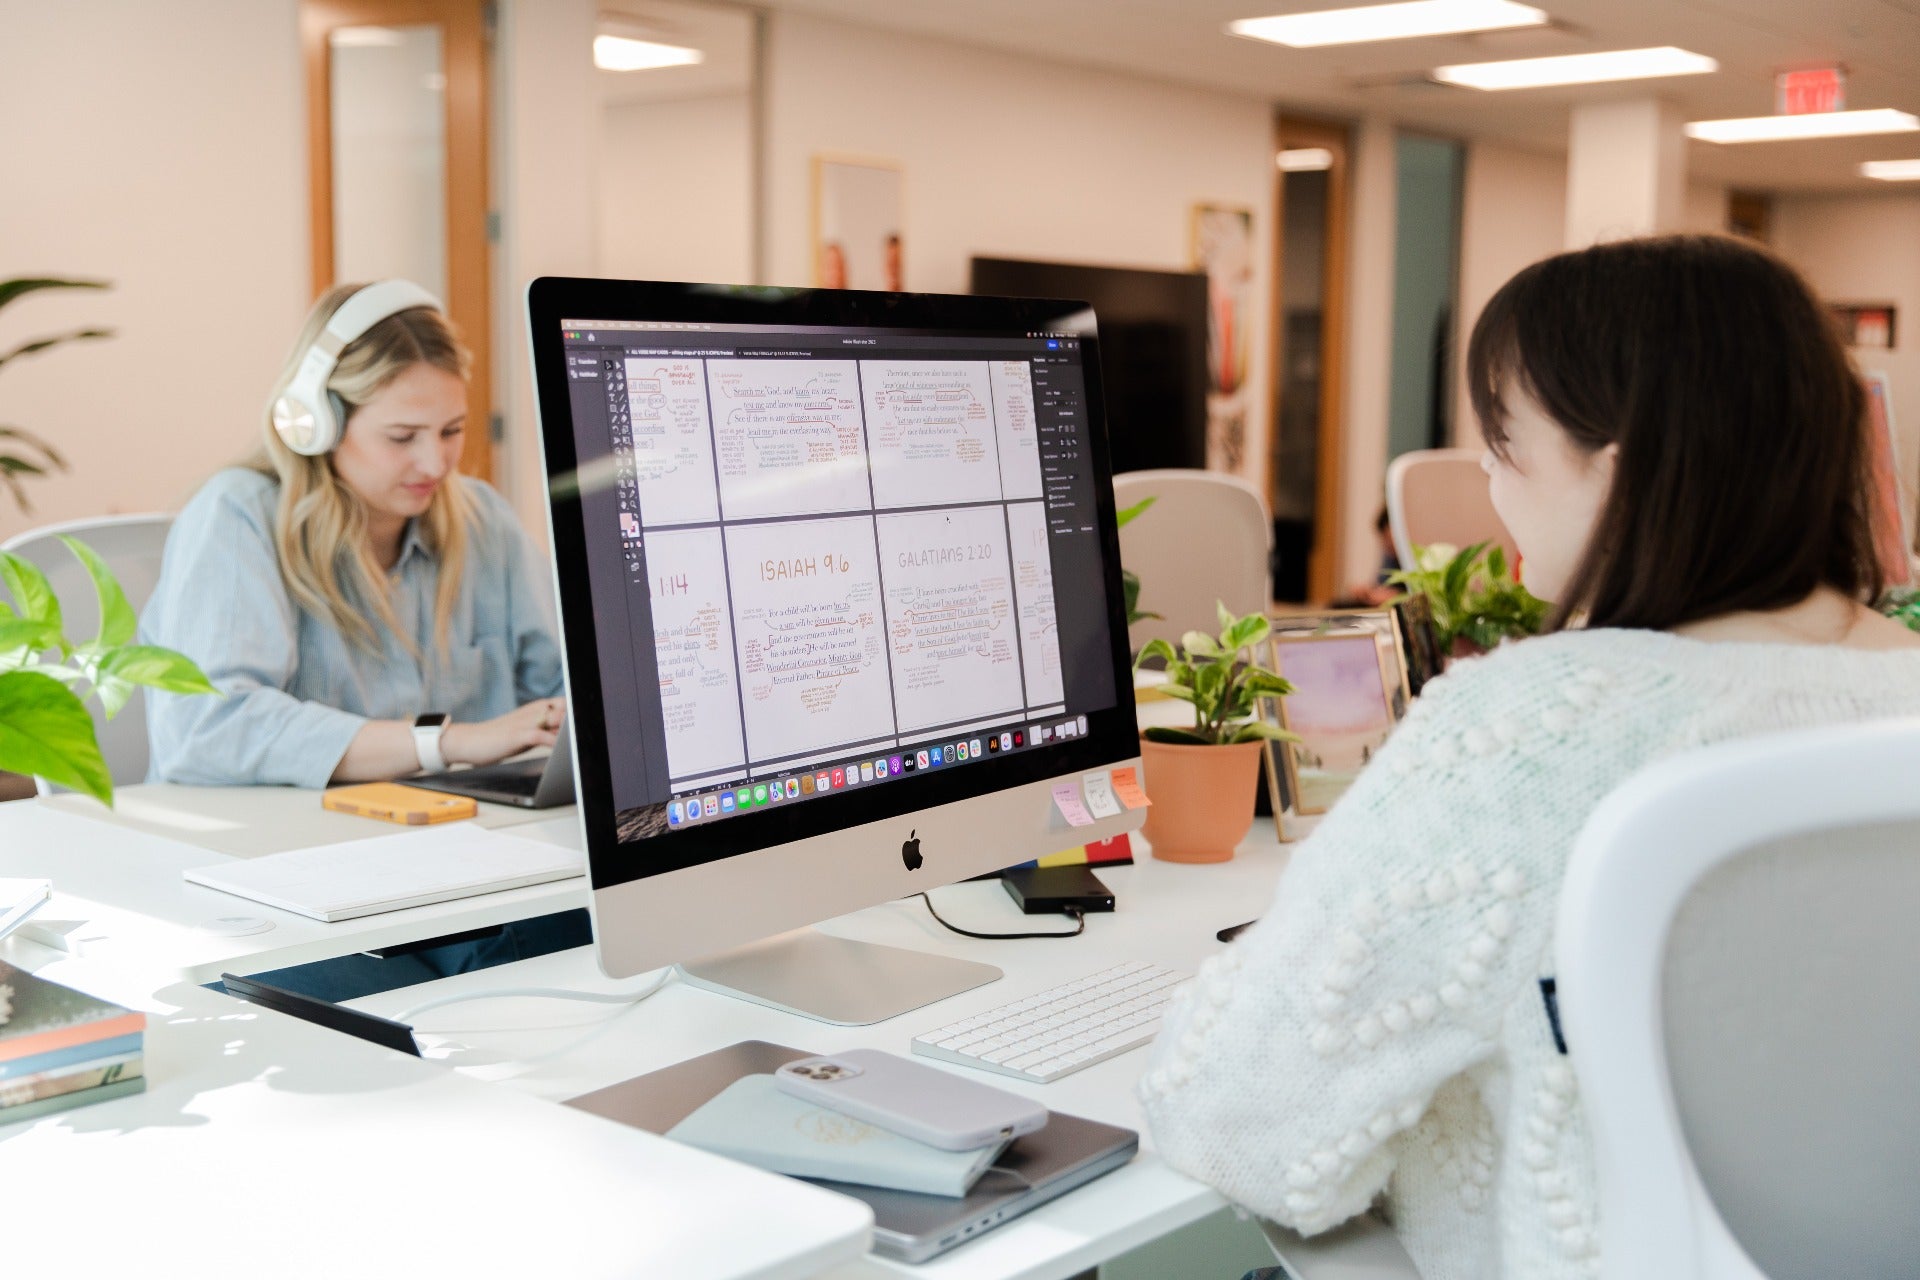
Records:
x=1202, y=798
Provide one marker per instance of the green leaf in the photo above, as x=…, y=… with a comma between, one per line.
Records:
x=1200, y=643
x=1497, y=563
x=45, y=731
x=1127, y=516
x=58, y=339
x=25, y=634
x=1183, y=692
x=1248, y=631
x=1209, y=682
x=116, y=615
x=1179, y=737
x=1225, y=614
x=1259, y=730
x=1261, y=683
x=32, y=593
x=1156, y=648
x=11, y=289
x=134, y=665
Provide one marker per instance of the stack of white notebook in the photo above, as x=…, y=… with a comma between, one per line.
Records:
x=387, y=873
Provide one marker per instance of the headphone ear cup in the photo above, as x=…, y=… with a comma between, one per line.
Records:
x=337, y=426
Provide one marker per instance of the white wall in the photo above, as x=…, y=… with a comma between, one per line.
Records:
x=1512, y=212
x=1015, y=157
x=163, y=148
x=1867, y=249
x=676, y=190
x=546, y=157
x=1374, y=208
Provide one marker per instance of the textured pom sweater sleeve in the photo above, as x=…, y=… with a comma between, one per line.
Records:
x=1409, y=927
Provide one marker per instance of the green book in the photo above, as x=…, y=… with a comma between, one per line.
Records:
x=753, y=1121
x=66, y=1101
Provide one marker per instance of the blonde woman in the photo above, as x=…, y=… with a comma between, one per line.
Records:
x=367, y=611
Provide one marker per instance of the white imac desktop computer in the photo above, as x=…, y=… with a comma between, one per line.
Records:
x=840, y=600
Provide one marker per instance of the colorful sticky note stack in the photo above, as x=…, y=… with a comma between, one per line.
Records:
x=60, y=1049
x=1099, y=853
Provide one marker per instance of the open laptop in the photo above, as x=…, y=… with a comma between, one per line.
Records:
x=909, y=1226
x=536, y=782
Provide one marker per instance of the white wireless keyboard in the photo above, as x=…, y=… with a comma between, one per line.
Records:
x=1061, y=1030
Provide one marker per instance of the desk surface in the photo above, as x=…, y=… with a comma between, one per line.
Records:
x=1167, y=914
x=264, y=1145
x=120, y=874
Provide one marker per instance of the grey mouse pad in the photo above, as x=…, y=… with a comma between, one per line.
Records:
x=1070, y=1151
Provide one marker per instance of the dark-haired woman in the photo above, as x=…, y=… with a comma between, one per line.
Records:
x=1676, y=441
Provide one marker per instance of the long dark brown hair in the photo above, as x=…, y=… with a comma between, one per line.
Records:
x=1743, y=475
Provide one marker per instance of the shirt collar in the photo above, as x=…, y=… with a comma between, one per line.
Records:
x=413, y=542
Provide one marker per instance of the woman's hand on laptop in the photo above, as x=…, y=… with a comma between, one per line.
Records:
x=537, y=724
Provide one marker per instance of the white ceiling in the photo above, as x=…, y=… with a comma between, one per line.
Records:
x=724, y=35
x=1878, y=41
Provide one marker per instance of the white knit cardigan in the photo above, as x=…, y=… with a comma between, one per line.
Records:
x=1383, y=1027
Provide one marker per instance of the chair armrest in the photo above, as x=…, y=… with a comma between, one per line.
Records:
x=1363, y=1249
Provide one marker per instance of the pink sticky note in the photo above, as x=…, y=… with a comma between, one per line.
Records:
x=1072, y=808
x=1126, y=785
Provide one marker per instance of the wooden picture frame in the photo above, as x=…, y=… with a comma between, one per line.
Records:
x=1349, y=693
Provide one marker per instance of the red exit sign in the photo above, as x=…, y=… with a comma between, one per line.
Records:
x=1803, y=93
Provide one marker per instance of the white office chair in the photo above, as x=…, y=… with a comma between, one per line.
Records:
x=1739, y=983
x=131, y=547
x=1207, y=538
x=1440, y=495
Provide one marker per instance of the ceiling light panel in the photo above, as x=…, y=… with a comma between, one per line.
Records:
x=1305, y=159
x=1824, y=124
x=1579, y=68
x=1388, y=22
x=1892, y=170
x=623, y=53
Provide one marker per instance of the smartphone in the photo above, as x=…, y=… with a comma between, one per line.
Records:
x=393, y=802
x=912, y=1099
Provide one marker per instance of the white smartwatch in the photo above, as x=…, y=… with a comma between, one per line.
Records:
x=427, y=728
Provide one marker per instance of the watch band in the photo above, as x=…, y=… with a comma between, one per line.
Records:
x=426, y=746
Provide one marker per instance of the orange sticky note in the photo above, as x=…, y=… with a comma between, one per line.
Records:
x=1126, y=785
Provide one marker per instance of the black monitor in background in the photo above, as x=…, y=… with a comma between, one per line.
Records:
x=1153, y=332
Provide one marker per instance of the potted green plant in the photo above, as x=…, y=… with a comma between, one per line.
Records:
x=1473, y=598
x=45, y=728
x=1203, y=779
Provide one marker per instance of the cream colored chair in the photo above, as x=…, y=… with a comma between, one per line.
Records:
x=132, y=547
x=1207, y=538
x=1739, y=983
x=1440, y=495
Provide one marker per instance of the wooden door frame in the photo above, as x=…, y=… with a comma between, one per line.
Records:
x=1329, y=462
x=463, y=46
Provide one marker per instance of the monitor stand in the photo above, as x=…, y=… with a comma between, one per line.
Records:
x=837, y=980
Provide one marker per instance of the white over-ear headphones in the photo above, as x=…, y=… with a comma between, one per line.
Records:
x=307, y=416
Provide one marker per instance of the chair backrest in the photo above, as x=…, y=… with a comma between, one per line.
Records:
x=1739, y=982
x=132, y=547
x=1206, y=539
x=1440, y=495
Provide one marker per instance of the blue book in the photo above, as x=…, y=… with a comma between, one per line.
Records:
x=98, y=1049
x=753, y=1121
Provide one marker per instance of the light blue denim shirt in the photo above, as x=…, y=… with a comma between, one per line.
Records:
x=297, y=690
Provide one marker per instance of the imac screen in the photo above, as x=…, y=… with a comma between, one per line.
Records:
x=837, y=572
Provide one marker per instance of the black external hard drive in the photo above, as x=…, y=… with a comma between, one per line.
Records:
x=1055, y=890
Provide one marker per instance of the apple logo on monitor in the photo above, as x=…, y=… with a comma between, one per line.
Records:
x=910, y=850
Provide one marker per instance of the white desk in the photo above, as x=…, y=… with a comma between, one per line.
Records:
x=1167, y=914
x=266, y=1146
x=122, y=876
